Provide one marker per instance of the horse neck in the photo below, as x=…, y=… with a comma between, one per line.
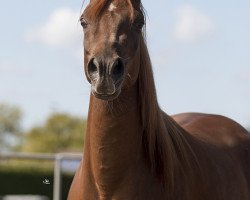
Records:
x=113, y=139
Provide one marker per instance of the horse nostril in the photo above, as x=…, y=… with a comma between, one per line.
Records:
x=117, y=69
x=92, y=67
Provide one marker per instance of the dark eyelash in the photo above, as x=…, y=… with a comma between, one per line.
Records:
x=139, y=23
x=84, y=23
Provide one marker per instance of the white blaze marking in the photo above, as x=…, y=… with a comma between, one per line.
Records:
x=112, y=7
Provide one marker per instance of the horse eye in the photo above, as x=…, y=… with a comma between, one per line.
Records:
x=139, y=25
x=84, y=23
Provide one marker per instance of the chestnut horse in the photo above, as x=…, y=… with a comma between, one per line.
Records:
x=133, y=150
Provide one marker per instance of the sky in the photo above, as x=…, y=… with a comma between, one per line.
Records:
x=200, y=52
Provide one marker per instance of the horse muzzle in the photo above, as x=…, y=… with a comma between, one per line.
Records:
x=106, y=78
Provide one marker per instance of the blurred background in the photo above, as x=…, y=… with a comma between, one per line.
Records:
x=200, y=52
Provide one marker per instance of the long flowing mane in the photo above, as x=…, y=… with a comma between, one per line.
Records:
x=166, y=147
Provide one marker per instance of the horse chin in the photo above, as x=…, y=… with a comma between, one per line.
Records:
x=107, y=97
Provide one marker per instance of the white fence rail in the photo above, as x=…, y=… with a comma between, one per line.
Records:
x=56, y=158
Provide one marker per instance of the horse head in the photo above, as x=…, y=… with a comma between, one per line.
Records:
x=112, y=34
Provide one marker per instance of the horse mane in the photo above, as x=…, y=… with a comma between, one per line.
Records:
x=166, y=145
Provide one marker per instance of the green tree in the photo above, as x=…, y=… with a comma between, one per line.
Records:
x=10, y=127
x=61, y=132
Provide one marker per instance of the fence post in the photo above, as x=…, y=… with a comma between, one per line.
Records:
x=57, y=178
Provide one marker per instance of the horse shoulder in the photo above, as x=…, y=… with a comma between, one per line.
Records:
x=214, y=129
